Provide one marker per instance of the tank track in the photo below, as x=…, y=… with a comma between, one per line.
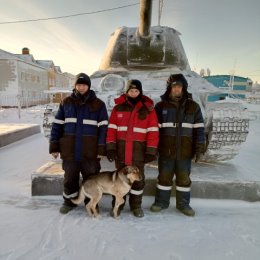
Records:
x=227, y=127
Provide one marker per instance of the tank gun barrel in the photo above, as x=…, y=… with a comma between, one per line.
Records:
x=145, y=17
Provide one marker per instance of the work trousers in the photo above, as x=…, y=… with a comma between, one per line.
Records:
x=72, y=170
x=168, y=168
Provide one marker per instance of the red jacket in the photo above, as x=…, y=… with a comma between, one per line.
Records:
x=133, y=130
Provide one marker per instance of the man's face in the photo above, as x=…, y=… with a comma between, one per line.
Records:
x=176, y=90
x=82, y=88
x=133, y=92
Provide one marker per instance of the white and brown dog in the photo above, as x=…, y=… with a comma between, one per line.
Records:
x=117, y=183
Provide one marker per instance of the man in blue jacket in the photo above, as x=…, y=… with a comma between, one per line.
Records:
x=181, y=130
x=79, y=135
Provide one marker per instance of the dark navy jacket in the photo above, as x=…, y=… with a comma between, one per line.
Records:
x=80, y=127
x=181, y=128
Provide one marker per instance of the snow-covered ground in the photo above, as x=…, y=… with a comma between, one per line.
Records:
x=32, y=228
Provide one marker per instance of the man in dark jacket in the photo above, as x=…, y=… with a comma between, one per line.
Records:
x=79, y=135
x=181, y=138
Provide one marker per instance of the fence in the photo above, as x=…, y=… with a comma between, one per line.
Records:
x=9, y=100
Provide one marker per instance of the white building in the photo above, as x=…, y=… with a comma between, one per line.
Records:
x=23, y=80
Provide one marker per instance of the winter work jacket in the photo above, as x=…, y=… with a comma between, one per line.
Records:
x=181, y=128
x=79, y=129
x=133, y=130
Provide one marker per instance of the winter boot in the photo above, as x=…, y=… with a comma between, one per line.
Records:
x=67, y=206
x=182, y=203
x=162, y=200
x=138, y=212
x=135, y=202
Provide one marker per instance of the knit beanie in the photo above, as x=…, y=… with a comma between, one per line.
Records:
x=134, y=84
x=83, y=78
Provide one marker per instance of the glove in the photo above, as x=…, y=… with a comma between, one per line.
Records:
x=197, y=157
x=199, y=152
x=55, y=155
x=111, y=155
x=149, y=158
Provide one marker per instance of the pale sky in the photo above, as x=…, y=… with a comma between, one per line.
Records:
x=222, y=35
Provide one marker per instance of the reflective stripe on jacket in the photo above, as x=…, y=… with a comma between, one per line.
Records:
x=181, y=128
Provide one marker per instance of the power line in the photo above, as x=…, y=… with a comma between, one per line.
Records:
x=71, y=15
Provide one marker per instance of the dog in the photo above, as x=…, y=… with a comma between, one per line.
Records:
x=117, y=183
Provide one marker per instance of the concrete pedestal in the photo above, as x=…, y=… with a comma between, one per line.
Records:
x=208, y=181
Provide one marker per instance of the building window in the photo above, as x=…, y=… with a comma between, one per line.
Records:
x=33, y=78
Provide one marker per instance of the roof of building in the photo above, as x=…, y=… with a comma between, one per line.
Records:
x=58, y=69
x=7, y=55
x=28, y=58
x=48, y=64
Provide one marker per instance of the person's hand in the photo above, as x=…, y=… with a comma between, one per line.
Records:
x=199, y=152
x=149, y=158
x=111, y=155
x=55, y=155
x=197, y=157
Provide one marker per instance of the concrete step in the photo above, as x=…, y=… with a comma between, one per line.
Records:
x=208, y=181
x=10, y=133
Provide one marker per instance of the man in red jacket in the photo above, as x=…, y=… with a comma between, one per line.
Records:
x=133, y=136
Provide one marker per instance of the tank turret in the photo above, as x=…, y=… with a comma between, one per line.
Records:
x=144, y=47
